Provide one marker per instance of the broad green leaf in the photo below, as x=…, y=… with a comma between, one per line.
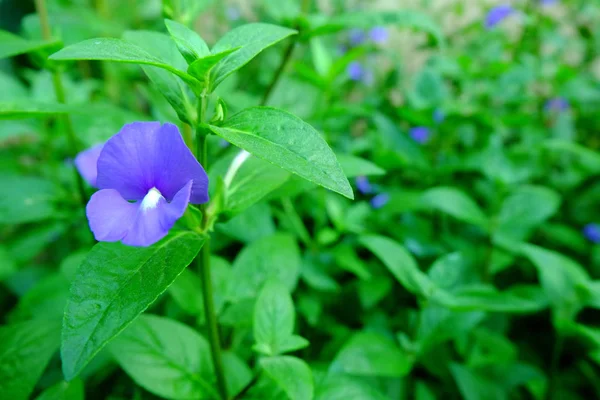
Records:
x=64, y=391
x=474, y=386
x=526, y=208
x=355, y=166
x=166, y=357
x=25, y=350
x=30, y=109
x=251, y=224
x=369, y=19
x=252, y=38
x=238, y=374
x=344, y=387
x=113, y=286
x=437, y=325
x=400, y=263
x=274, y=319
x=190, y=44
x=26, y=199
x=560, y=277
x=110, y=49
x=291, y=374
x=272, y=257
x=372, y=354
x=46, y=299
x=288, y=142
x=455, y=203
x=587, y=158
x=13, y=45
x=254, y=180
x=202, y=67
x=7, y=264
x=170, y=86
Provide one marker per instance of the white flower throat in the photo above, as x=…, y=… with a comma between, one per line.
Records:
x=151, y=199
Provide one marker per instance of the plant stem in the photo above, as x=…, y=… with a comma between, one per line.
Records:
x=287, y=56
x=203, y=262
x=59, y=90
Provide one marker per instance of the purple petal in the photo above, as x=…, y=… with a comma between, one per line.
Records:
x=110, y=216
x=380, y=200
x=379, y=34
x=86, y=163
x=592, y=232
x=155, y=219
x=363, y=185
x=355, y=71
x=146, y=155
x=356, y=37
x=497, y=15
x=420, y=134
x=556, y=104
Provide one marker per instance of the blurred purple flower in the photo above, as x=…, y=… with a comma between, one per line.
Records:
x=355, y=71
x=146, y=176
x=233, y=13
x=438, y=116
x=356, y=37
x=363, y=185
x=380, y=200
x=556, y=104
x=86, y=163
x=379, y=34
x=497, y=15
x=548, y=2
x=592, y=232
x=420, y=134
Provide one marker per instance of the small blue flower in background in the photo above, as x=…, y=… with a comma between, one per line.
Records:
x=548, y=2
x=355, y=71
x=497, y=15
x=592, y=232
x=380, y=200
x=86, y=163
x=233, y=13
x=146, y=176
x=438, y=116
x=556, y=104
x=420, y=134
x=378, y=34
x=363, y=185
x=356, y=37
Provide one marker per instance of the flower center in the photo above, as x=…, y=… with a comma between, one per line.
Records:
x=151, y=199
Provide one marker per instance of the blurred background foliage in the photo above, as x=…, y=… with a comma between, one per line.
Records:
x=468, y=265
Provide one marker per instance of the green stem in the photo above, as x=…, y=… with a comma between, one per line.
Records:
x=287, y=56
x=59, y=90
x=203, y=262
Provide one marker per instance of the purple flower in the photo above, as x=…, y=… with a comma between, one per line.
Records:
x=592, y=232
x=363, y=185
x=548, y=2
x=355, y=71
x=380, y=200
x=420, y=134
x=147, y=177
x=356, y=37
x=378, y=34
x=556, y=104
x=438, y=116
x=86, y=163
x=497, y=15
x=233, y=13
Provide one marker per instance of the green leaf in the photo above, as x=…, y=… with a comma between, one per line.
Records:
x=237, y=372
x=400, y=263
x=202, y=67
x=372, y=354
x=355, y=166
x=252, y=38
x=288, y=142
x=64, y=391
x=113, y=286
x=30, y=109
x=344, y=387
x=320, y=56
x=46, y=299
x=274, y=319
x=369, y=19
x=13, y=45
x=291, y=374
x=475, y=386
x=25, y=350
x=171, y=87
x=110, y=49
x=7, y=264
x=166, y=358
x=526, y=208
x=272, y=257
x=26, y=199
x=190, y=44
x=282, y=10
x=455, y=203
